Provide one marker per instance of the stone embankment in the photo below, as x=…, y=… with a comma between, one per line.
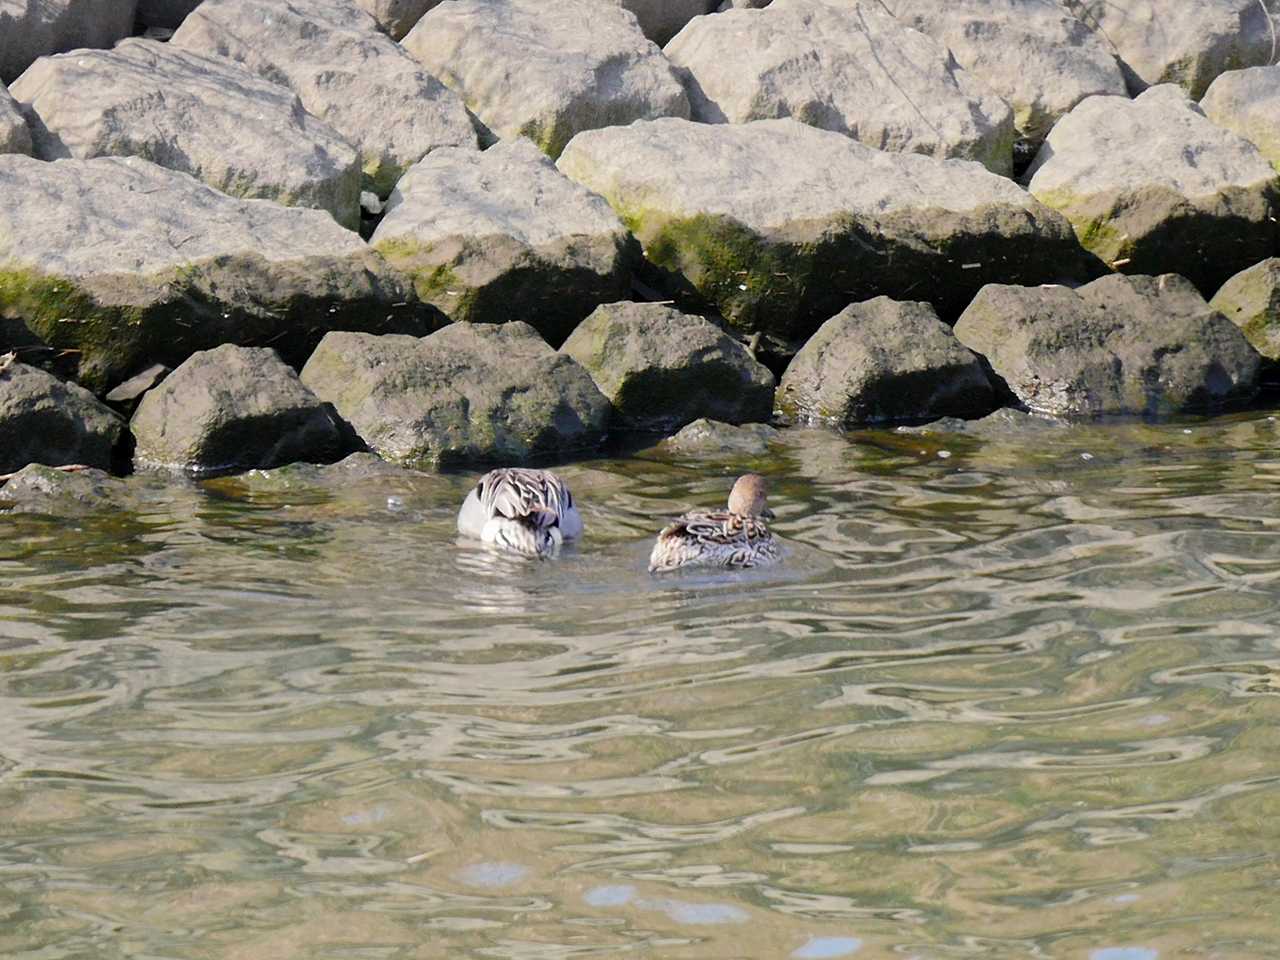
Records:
x=243, y=233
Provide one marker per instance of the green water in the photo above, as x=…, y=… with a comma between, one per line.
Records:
x=1005, y=698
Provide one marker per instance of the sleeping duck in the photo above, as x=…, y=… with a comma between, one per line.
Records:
x=530, y=512
x=737, y=537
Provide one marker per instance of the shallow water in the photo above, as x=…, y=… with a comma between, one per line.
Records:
x=1006, y=698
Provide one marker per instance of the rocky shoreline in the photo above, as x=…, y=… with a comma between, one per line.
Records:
x=500, y=231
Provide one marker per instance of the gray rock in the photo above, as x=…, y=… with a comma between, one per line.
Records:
x=1172, y=41
x=164, y=13
x=46, y=490
x=662, y=369
x=711, y=438
x=779, y=225
x=1251, y=300
x=347, y=73
x=200, y=115
x=663, y=19
x=14, y=135
x=232, y=408
x=468, y=393
x=845, y=66
x=1007, y=423
x=1033, y=53
x=547, y=71
x=396, y=17
x=86, y=267
x=133, y=388
x=1247, y=102
x=1152, y=186
x=44, y=420
x=30, y=29
x=883, y=361
x=1119, y=345
x=499, y=235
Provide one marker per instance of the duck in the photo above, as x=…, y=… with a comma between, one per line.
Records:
x=526, y=511
x=737, y=537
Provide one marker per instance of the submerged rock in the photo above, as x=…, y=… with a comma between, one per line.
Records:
x=711, y=437
x=232, y=408
x=779, y=225
x=1251, y=300
x=29, y=30
x=547, y=70
x=344, y=71
x=1152, y=186
x=14, y=135
x=124, y=284
x=662, y=369
x=1247, y=102
x=468, y=393
x=882, y=361
x=200, y=115
x=842, y=66
x=44, y=420
x=503, y=235
x=41, y=489
x=1119, y=345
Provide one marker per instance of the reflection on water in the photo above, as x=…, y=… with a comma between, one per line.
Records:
x=1015, y=701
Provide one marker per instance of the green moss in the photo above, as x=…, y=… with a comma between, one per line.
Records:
x=434, y=282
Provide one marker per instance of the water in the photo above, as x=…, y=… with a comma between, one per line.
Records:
x=1016, y=701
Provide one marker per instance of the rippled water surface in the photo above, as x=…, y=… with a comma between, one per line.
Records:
x=1013, y=696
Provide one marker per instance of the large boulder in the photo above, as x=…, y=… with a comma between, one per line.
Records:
x=663, y=19
x=468, y=393
x=347, y=73
x=1118, y=345
x=30, y=29
x=44, y=420
x=1152, y=186
x=489, y=237
x=845, y=66
x=1247, y=102
x=200, y=115
x=1173, y=41
x=123, y=264
x=882, y=361
x=1033, y=53
x=14, y=135
x=547, y=70
x=232, y=408
x=662, y=369
x=1251, y=300
x=779, y=225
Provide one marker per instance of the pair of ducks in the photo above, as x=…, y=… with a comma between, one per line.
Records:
x=531, y=512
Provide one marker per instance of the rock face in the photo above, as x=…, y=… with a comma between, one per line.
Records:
x=468, y=393
x=1150, y=185
x=779, y=225
x=1251, y=300
x=44, y=490
x=396, y=17
x=344, y=71
x=43, y=420
x=86, y=267
x=662, y=369
x=547, y=70
x=1171, y=41
x=29, y=30
x=232, y=408
x=199, y=115
x=14, y=135
x=663, y=19
x=1247, y=102
x=845, y=66
x=1119, y=345
x=164, y=13
x=1033, y=53
x=883, y=361
x=500, y=235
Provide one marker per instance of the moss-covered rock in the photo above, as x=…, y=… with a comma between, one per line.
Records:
x=46, y=490
x=1251, y=300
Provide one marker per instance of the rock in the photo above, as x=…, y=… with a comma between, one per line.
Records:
x=1119, y=345
x=663, y=19
x=468, y=393
x=1171, y=41
x=127, y=264
x=1033, y=53
x=711, y=437
x=30, y=29
x=200, y=115
x=344, y=71
x=1247, y=102
x=846, y=66
x=779, y=225
x=43, y=420
x=232, y=408
x=1251, y=300
x=165, y=13
x=883, y=361
x=662, y=369
x=499, y=235
x=46, y=490
x=1007, y=423
x=396, y=17
x=546, y=71
x=1151, y=186
x=14, y=135
x=133, y=388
